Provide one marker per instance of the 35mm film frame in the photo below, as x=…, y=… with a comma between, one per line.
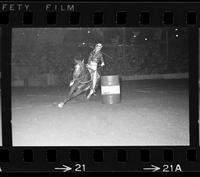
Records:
x=80, y=159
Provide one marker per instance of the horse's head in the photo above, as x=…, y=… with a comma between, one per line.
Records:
x=79, y=67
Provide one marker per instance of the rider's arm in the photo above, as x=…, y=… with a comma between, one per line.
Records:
x=102, y=60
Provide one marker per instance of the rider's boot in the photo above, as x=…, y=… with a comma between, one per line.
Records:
x=94, y=92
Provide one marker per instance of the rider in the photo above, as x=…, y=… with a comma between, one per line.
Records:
x=93, y=60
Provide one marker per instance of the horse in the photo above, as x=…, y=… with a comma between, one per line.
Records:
x=81, y=81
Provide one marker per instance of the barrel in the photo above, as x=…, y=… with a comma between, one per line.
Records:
x=110, y=89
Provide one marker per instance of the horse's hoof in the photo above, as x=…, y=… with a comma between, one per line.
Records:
x=60, y=105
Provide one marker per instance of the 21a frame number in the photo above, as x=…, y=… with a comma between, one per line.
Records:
x=80, y=167
x=172, y=168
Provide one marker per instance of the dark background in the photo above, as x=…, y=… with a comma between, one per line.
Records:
x=0, y=95
x=44, y=56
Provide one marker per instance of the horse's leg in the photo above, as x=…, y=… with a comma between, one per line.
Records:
x=79, y=91
x=75, y=91
x=90, y=94
x=86, y=88
x=69, y=97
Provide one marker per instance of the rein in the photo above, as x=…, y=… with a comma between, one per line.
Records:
x=85, y=81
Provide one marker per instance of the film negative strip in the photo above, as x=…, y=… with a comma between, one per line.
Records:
x=95, y=87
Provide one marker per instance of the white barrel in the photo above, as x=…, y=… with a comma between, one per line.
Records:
x=110, y=89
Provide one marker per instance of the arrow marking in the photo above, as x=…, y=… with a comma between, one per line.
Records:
x=65, y=169
x=153, y=168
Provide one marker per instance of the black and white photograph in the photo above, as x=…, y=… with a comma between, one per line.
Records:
x=100, y=86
